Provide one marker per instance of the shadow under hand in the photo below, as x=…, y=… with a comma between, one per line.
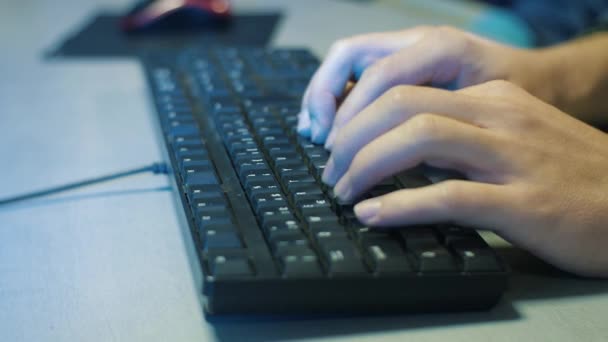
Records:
x=532, y=278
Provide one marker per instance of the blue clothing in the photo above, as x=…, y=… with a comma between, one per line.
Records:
x=554, y=21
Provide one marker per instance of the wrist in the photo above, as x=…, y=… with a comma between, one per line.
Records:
x=574, y=77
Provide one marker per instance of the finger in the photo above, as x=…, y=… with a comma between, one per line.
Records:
x=304, y=117
x=394, y=107
x=347, y=59
x=462, y=202
x=426, y=138
x=426, y=61
x=323, y=102
x=304, y=124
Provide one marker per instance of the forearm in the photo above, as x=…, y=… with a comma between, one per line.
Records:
x=576, y=75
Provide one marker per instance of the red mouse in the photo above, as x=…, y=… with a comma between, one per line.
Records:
x=161, y=15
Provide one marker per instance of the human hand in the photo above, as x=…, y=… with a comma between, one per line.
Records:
x=422, y=55
x=536, y=176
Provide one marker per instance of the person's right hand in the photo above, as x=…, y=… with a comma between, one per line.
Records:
x=422, y=55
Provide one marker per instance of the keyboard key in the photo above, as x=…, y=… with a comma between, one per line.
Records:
x=478, y=259
x=321, y=235
x=315, y=221
x=213, y=217
x=300, y=263
x=207, y=191
x=452, y=236
x=226, y=266
x=199, y=175
x=341, y=258
x=220, y=239
x=387, y=256
x=202, y=205
x=434, y=259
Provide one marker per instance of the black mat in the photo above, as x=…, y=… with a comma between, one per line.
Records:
x=101, y=37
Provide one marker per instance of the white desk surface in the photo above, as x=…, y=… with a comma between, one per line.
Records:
x=109, y=262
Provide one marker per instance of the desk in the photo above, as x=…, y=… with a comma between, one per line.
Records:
x=110, y=262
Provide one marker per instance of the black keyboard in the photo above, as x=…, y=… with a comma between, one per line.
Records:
x=269, y=235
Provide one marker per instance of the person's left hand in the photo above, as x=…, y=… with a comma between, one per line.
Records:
x=537, y=177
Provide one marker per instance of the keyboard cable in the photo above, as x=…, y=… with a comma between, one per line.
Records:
x=156, y=168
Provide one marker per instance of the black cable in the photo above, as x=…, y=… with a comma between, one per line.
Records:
x=156, y=168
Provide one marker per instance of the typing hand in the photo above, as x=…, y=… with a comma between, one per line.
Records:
x=379, y=61
x=537, y=177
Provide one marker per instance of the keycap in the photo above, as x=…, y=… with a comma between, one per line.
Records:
x=309, y=193
x=177, y=127
x=315, y=221
x=214, y=216
x=290, y=241
x=220, y=239
x=451, y=235
x=363, y=234
x=197, y=161
x=411, y=179
x=341, y=258
x=188, y=152
x=315, y=209
x=478, y=259
x=227, y=266
x=202, y=205
x=434, y=259
x=415, y=237
x=387, y=256
x=322, y=234
x=199, y=175
x=302, y=263
x=206, y=191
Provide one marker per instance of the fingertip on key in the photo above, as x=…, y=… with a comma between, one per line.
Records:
x=303, y=127
x=329, y=143
x=367, y=210
x=328, y=173
x=317, y=134
x=343, y=190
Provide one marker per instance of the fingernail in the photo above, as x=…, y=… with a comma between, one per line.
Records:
x=315, y=132
x=303, y=123
x=328, y=173
x=303, y=129
x=367, y=209
x=342, y=189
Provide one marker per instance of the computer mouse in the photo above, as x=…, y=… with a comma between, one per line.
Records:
x=171, y=15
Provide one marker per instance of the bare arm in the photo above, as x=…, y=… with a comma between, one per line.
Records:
x=572, y=76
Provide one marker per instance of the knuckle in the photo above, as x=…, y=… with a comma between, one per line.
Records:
x=424, y=127
x=379, y=71
x=500, y=87
x=444, y=32
x=395, y=96
x=452, y=192
x=398, y=97
x=450, y=40
x=340, y=46
x=422, y=28
x=374, y=72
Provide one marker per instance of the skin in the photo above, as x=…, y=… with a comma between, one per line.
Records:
x=532, y=170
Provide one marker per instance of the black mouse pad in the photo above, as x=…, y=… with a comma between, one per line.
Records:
x=101, y=36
